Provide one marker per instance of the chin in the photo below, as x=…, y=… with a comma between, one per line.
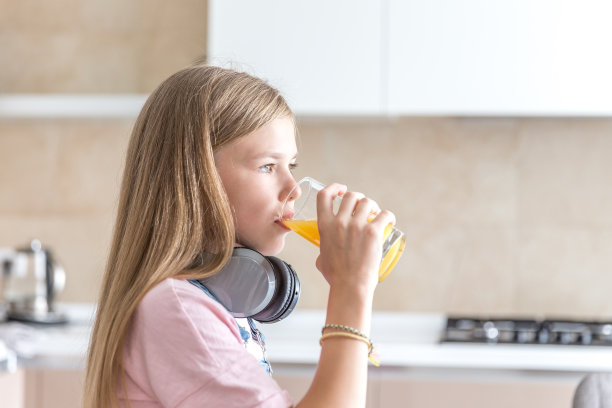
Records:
x=269, y=244
x=271, y=248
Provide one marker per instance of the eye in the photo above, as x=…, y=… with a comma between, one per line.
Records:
x=293, y=166
x=267, y=168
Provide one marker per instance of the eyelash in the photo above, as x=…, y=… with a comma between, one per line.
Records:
x=267, y=168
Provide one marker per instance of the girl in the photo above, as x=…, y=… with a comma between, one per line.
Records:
x=208, y=167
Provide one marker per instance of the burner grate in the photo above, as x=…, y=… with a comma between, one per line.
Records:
x=525, y=331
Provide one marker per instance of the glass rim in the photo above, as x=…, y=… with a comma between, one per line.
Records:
x=312, y=183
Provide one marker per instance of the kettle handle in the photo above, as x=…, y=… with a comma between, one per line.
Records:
x=55, y=280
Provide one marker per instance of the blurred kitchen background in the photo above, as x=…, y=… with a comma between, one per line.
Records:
x=486, y=127
x=503, y=213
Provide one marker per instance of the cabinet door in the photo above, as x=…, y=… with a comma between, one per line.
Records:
x=12, y=389
x=507, y=57
x=54, y=388
x=398, y=393
x=324, y=56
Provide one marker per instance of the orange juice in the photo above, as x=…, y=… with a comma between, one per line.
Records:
x=308, y=229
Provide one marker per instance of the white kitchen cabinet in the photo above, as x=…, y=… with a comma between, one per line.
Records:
x=324, y=56
x=54, y=388
x=412, y=57
x=400, y=387
x=469, y=393
x=11, y=389
x=510, y=57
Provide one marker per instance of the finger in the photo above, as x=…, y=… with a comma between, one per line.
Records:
x=366, y=209
x=325, y=200
x=349, y=204
x=318, y=263
x=384, y=218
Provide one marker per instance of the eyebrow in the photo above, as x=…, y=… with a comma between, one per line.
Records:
x=273, y=155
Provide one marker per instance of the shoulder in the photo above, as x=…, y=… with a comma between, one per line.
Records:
x=176, y=302
x=172, y=290
x=179, y=294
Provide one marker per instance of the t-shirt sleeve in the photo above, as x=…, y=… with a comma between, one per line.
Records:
x=186, y=350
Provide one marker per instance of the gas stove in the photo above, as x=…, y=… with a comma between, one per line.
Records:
x=524, y=331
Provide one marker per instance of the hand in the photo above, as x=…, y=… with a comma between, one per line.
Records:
x=351, y=246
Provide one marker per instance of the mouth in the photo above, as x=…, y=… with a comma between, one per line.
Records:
x=283, y=226
x=286, y=216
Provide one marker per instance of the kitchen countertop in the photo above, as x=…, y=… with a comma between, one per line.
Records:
x=61, y=346
x=406, y=340
x=412, y=340
x=8, y=359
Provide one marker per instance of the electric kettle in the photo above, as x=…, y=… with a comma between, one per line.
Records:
x=31, y=281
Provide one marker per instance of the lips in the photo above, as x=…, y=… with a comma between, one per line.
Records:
x=283, y=226
x=287, y=216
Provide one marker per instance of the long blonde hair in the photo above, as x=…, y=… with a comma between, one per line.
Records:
x=172, y=209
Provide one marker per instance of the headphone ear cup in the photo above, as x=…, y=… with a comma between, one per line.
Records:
x=246, y=285
x=286, y=294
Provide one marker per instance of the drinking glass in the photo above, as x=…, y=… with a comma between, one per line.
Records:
x=304, y=222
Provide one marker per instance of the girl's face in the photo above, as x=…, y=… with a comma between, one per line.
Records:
x=256, y=172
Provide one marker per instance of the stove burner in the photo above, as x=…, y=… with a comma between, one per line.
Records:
x=523, y=331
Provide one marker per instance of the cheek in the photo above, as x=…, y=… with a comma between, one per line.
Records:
x=244, y=218
x=241, y=206
x=254, y=216
x=248, y=218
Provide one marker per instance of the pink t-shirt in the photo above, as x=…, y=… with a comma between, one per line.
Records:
x=184, y=350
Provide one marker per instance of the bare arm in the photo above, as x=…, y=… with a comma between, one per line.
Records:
x=350, y=257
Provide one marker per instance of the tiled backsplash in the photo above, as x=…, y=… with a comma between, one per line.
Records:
x=97, y=46
x=59, y=182
x=502, y=216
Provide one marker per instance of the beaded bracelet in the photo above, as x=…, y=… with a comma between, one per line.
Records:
x=344, y=328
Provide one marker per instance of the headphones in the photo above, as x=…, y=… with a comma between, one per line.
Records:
x=264, y=288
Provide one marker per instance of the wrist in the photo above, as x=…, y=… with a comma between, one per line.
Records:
x=350, y=307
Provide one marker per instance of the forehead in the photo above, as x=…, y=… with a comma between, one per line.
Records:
x=276, y=138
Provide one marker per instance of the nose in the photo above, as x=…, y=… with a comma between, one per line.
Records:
x=293, y=191
x=290, y=192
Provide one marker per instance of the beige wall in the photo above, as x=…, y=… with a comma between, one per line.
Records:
x=97, y=46
x=501, y=215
